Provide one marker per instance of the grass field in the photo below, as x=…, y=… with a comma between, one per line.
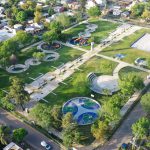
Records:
x=124, y=47
x=103, y=30
x=66, y=54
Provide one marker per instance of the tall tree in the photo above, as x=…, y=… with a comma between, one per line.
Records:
x=67, y=120
x=100, y=130
x=94, y=11
x=41, y=114
x=17, y=92
x=71, y=135
x=19, y=134
x=141, y=128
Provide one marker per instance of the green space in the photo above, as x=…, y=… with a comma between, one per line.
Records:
x=129, y=70
x=77, y=84
x=103, y=30
x=124, y=47
x=66, y=54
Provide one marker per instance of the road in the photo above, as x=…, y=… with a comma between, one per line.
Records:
x=33, y=138
x=124, y=132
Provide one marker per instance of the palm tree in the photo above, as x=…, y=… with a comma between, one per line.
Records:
x=4, y=134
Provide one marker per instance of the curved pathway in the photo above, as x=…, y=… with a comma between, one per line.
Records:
x=118, y=68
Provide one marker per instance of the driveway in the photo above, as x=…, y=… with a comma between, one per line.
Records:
x=33, y=138
x=124, y=133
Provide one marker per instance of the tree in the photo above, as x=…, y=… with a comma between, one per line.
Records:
x=67, y=120
x=19, y=134
x=145, y=101
x=94, y=11
x=146, y=14
x=17, y=92
x=55, y=26
x=71, y=135
x=110, y=112
x=38, y=16
x=50, y=36
x=64, y=20
x=38, y=55
x=137, y=9
x=4, y=134
x=56, y=116
x=78, y=16
x=21, y=16
x=130, y=83
x=141, y=128
x=51, y=11
x=41, y=114
x=100, y=130
x=23, y=38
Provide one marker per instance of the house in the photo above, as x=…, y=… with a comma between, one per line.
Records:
x=125, y=14
x=18, y=27
x=12, y=146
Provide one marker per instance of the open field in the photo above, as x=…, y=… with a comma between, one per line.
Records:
x=124, y=47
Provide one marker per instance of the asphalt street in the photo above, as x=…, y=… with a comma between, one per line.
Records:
x=33, y=138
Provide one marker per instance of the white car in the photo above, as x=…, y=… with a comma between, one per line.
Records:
x=46, y=145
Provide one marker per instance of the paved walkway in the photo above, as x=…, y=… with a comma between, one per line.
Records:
x=124, y=132
x=118, y=68
x=34, y=137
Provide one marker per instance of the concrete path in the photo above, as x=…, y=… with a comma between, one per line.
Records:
x=124, y=132
x=118, y=68
x=33, y=138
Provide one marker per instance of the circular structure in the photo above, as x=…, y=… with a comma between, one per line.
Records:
x=104, y=84
x=84, y=34
x=17, y=68
x=92, y=26
x=79, y=41
x=32, y=62
x=84, y=110
x=45, y=47
x=90, y=30
x=51, y=57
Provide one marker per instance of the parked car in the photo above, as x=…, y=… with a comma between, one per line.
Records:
x=46, y=145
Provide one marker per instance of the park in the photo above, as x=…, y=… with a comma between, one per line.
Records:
x=84, y=84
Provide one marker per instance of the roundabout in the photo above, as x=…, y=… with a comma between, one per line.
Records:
x=84, y=110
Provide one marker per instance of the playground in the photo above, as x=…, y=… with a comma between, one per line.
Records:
x=79, y=41
x=84, y=110
x=98, y=29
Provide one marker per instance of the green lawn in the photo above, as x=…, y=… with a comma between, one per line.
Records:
x=66, y=54
x=127, y=70
x=103, y=30
x=124, y=47
x=77, y=84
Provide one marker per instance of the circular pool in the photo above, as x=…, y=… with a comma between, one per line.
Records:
x=84, y=110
